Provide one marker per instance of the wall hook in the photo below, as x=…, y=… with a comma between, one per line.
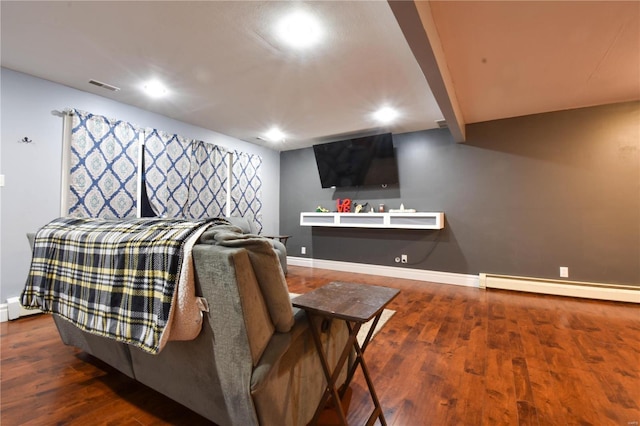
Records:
x=26, y=140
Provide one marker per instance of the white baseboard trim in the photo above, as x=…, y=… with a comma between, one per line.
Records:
x=14, y=310
x=4, y=313
x=388, y=271
x=616, y=293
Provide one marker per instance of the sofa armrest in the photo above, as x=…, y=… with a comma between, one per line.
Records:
x=288, y=389
x=277, y=347
x=281, y=251
x=215, y=268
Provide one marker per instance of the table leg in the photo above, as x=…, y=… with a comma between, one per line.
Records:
x=354, y=367
x=377, y=412
x=370, y=333
x=331, y=389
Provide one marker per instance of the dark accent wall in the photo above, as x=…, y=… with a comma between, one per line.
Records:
x=523, y=196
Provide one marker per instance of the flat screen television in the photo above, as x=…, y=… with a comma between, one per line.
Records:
x=363, y=161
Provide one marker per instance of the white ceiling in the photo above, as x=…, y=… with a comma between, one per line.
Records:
x=509, y=59
x=225, y=67
x=227, y=71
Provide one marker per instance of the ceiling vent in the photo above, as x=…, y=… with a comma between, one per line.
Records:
x=442, y=124
x=104, y=85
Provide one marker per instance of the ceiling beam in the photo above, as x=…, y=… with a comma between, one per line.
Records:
x=419, y=29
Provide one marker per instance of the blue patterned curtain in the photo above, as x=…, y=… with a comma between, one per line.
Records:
x=167, y=160
x=183, y=177
x=208, y=181
x=246, y=187
x=103, y=170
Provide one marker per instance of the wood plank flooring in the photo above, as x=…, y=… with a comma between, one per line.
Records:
x=449, y=356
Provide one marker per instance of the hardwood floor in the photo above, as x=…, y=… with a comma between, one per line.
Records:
x=449, y=356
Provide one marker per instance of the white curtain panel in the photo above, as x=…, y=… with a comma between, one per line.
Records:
x=246, y=187
x=167, y=160
x=208, y=183
x=103, y=167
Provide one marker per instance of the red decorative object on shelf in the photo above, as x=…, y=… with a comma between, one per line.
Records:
x=344, y=205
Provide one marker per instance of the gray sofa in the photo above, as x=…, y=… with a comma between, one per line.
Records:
x=239, y=370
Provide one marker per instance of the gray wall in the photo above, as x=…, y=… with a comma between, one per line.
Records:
x=31, y=197
x=523, y=196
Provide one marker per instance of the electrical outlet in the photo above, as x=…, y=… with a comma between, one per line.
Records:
x=564, y=272
x=303, y=250
x=404, y=258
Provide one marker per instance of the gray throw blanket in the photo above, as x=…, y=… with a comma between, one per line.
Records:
x=266, y=267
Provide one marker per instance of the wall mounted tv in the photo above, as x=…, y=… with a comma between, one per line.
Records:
x=363, y=161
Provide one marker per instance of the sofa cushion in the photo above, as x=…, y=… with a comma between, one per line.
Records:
x=256, y=315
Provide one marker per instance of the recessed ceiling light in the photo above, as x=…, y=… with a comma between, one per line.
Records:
x=274, y=135
x=155, y=89
x=299, y=30
x=385, y=114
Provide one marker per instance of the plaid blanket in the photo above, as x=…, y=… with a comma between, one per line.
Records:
x=112, y=278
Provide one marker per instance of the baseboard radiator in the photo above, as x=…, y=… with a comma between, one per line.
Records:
x=15, y=309
x=613, y=292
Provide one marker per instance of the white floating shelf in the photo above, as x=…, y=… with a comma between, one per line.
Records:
x=374, y=220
